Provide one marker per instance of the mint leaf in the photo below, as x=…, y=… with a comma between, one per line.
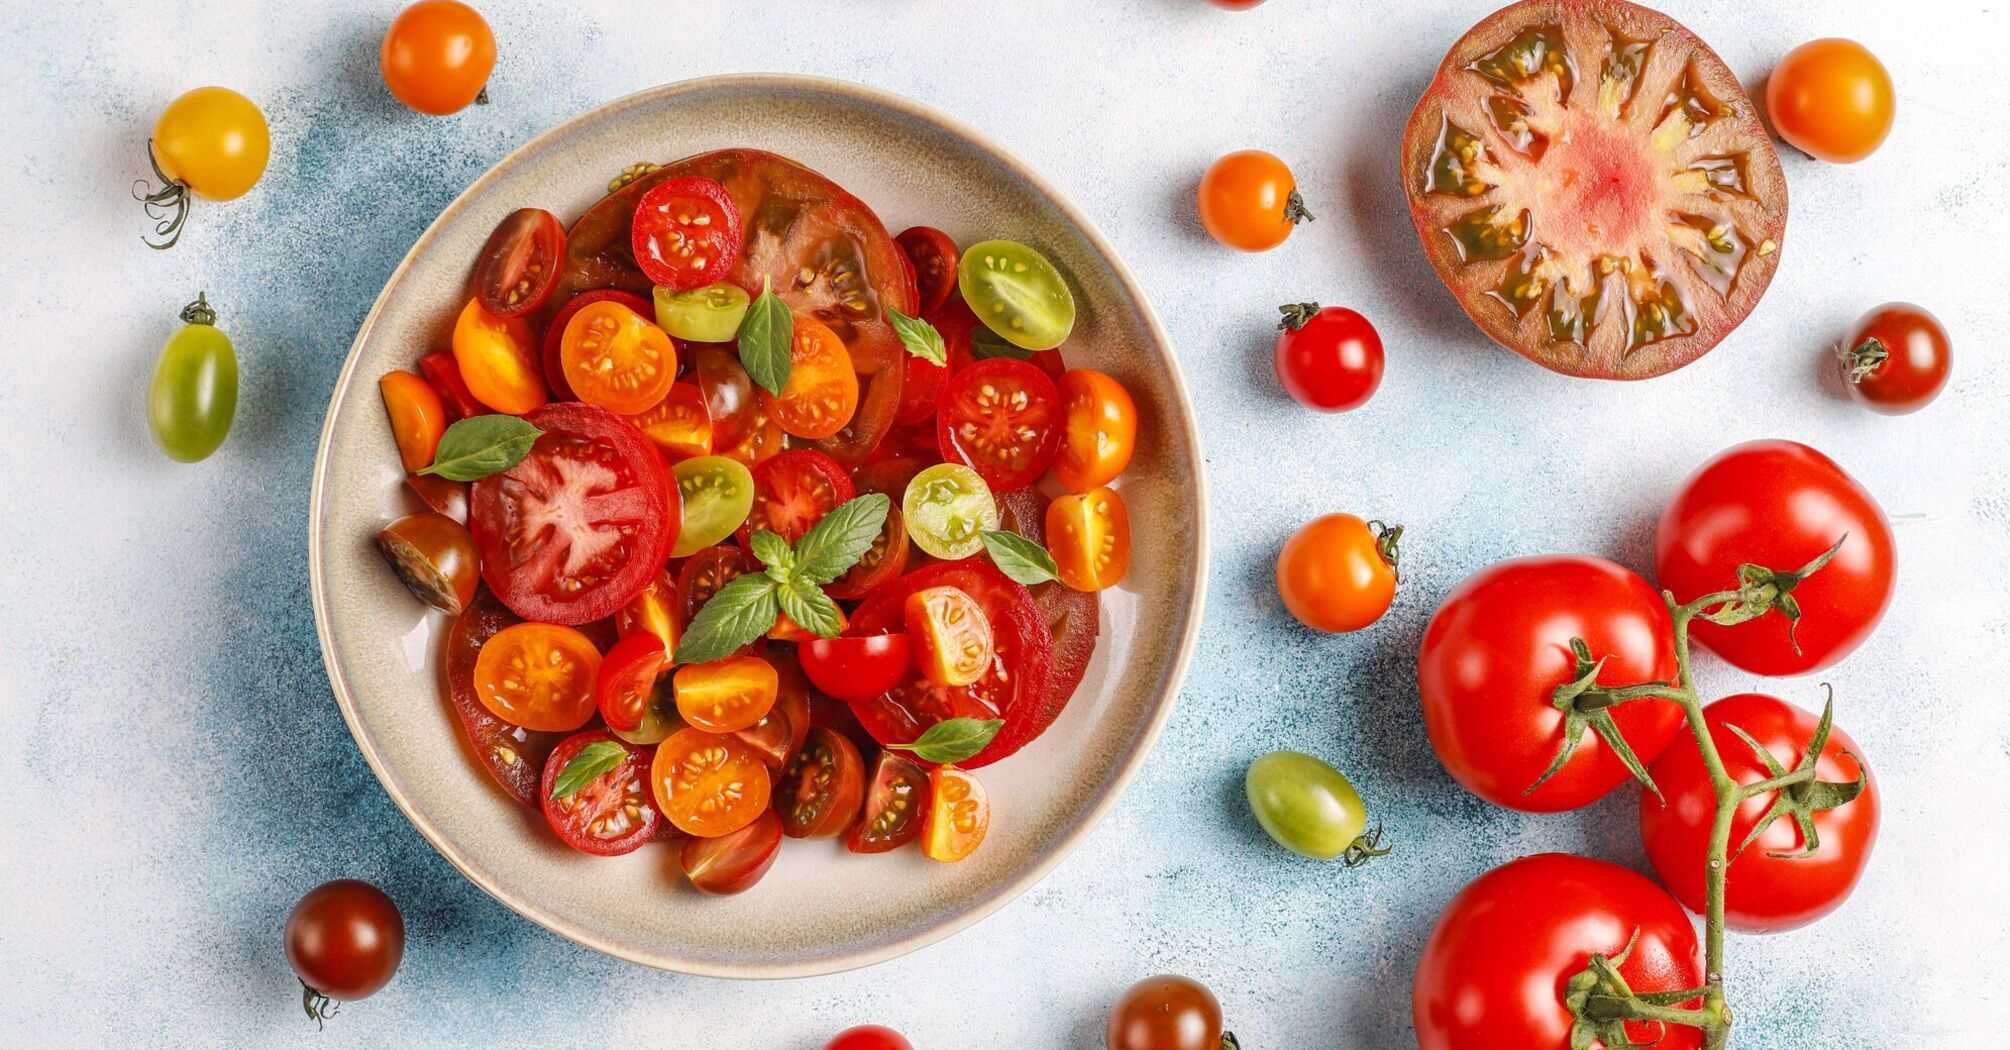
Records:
x=742, y=611
x=478, y=446
x=835, y=544
x=773, y=550
x=809, y=607
x=587, y=766
x=1020, y=558
x=952, y=740
x=920, y=337
x=765, y=335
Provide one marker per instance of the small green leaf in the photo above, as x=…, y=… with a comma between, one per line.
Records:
x=836, y=543
x=742, y=611
x=952, y=739
x=1020, y=558
x=809, y=607
x=920, y=337
x=986, y=344
x=772, y=550
x=765, y=336
x=478, y=446
x=592, y=760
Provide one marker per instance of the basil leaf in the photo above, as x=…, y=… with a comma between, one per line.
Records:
x=1020, y=558
x=810, y=608
x=985, y=343
x=835, y=544
x=952, y=740
x=478, y=446
x=772, y=550
x=765, y=335
x=592, y=760
x=742, y=611
x=920, y=337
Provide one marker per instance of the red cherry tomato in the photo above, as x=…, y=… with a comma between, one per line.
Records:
x=611, y=814
x=935, y=257
x=869, y=1037
x=734, y=862
x=687, y=233
x=627, y=681
x=345, y=940
x=1003, y=418
x=554, y=334
x=1779, y=504
x=518, y=267
x=1236, y=5
x=794, y=491
x=820, y=792
x=1331, y=360
x=1896, y=358
x=896, y=805
x=855, y=669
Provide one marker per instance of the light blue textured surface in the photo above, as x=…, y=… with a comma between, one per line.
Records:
x=176, y=772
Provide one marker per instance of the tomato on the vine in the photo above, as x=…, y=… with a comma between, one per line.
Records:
x=1249, y=201
x=437, y=56
x=1329, y=359
x=611, y=814
x=345, y=939
x=1337, y=573
x=1896, y=358
x=1831, y=99
x=1167, y=1012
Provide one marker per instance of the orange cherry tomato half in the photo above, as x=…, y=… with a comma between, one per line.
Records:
x=1099, y=429
x=498, y=360
x=418, y=418
x=1089, y=535
x=958, y=815
x=679, y=424
x=954, y=638
x=437, y=56
x=1249, y=201
x=856, y=670
x=1338, y=573
x=725, y=695
x=822, y=392
x=435, y=557
x=655, y=610
x=616, y=359
x=626, y=683
x=709, y=785
x=734, y=862
x=538, y=676
x=1831, y=99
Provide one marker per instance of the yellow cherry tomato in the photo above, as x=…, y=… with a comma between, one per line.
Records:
x=497, y=361
x=211, y=142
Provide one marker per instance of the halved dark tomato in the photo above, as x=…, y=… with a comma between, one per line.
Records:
x=1014, y=688
x=734, y=862
x=1593, y=185
x=730, y=397
x=518, y=267
x=794, y=491
x=582, y=524
x=896, y=803
x=820, y=791
x=514, y=756
x=934, y=257
x=686, y=233
x=705, y=572
x=614, y=813
x=1074, y=617
x=888, y=555
x=554, y=334
x=1002, y=417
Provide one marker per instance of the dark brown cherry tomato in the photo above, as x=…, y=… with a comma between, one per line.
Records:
x=820, y=792
x=934, y=257
x=707, y=571
x=896, y=804
x=518, y=267
x=345, y=939
x=435, y=558
x=733, y=862
x=1167, y=1012
x=1896, y=358
x=440, y=495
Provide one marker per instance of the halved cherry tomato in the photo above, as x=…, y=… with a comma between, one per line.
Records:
x=718, y=494
x=896, y=804
x=794, y=491
x=654, y=611
x=1003, y=418
x=614, y=813
x=444, y=372
x=1090, y=538
x=726, y=695
x=687, y=233
x=822, y=392
x=418, y=418
x=879, y=401
x=952, y=635
x=678, y=424
x=958, y=815
x=787, y=630
x=1101, y=430
x=781, y=731
x=709, y=785
x=734, y=862
x=857, y=669
x=435, y=559
x=659, y=718
x=518, y=267
x=538, y=676
x=820, y=792
x=496, y=362
x=705, y=572
x=764, y=441
x=934, y=257
x=920, y=386
x=627, y=680
x=615, y=358
x=887, y=557
x=554, y=334
x=440, y=495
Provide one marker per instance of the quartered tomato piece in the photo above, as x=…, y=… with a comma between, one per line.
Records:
x=1100, y=432
x=820, y=792
x=627, y=681
x=734, y=862
x=679, y=424
x=513, y=755
x=959, y=813
x=857, y=669
x=518, y=267
x=887, y=557
x=726, y=695
x=654, y=610
x=440, y=495
x=1003, y=418
x=718, y=494
x=822, y=392
x=709, y=785
x=554, y=334
x=708, y=570
x=585, y=521
x=934, y=257
x=954, y=638
x=418, y=418
x=615, y=358
x=781, y=731
x=613, y=813
x=538, y=676
x=794, y=491
x=497, y=361
x=1595, y=188
x=1089, y=535
x=896, y=804
x=686, y=233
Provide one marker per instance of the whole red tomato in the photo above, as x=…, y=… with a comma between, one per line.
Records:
x=1779, y=504
x=1523, y=930
x=869, y=1037
x=1498, y=647
x=1328, y=359
x=1896, y=358
x=1763, y=893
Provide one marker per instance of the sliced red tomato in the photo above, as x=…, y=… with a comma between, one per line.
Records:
x=820, y=792
x=1003, y=418
x=514, y=756
x=627, y=680
x=614, y=812
x=582, y=524
x=1074, y=617
x=857, y=669
x=896, y=804
x=1015, y=687
x=935, y=258
x=518, y=267
x=686, y=233
x=794, y=491
x=734, y=862
x=705, y=572
x=554, y=333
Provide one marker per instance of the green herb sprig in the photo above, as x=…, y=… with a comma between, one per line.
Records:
x=791, y=582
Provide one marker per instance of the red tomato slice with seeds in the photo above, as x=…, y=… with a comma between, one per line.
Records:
x=794, y=491
x=686, y=233
x=614, y=813
x=896, y=804
x=1002, y=417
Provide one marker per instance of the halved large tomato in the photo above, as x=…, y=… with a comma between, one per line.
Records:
x=1593, y=185
x=1074, y=617
x=513, y=755
x=582, y=524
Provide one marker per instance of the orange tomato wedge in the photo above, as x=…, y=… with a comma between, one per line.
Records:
x=958, y=815
x=418, y=418
x=498, y=360
x=726, y=695
x=680, y=425
x=954, y=645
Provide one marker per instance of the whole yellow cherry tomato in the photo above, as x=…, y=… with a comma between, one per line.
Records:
x=211, y=142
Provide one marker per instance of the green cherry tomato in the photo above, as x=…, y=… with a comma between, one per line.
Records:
x=947, y=510
x=1017, y=293
x=194, y=393
x=718, y=493
x=711, y=314
x=1309, y=808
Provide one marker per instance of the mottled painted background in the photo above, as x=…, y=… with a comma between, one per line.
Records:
x=174, y=772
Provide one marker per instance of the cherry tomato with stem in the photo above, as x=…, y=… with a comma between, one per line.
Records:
x=869, y=1037
x=435, y=558
x=856, y=669
x=344, y=939
x=686, y=233
x=1831, y=99
x=732, y=863
x=193, y=396
x=518, y=267
x=1337, y=573
x=210, y=142
x=437, y=57
x=821, y=791
x=1167, y=1012
x=609, y=815
x=1329, y=359
x=1250, y=202
x=1896, y=358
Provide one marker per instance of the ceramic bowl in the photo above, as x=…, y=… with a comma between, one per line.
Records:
x=820, y=909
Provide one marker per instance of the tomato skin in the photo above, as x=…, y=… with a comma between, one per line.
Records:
x=686, y=233
x=437, y=56
x=1762, y=894
x=869, y=1037
x=494, y=356
x=1089, y=535
x=1831, y=99
x=1100, y=432
x=821, y=791
x=634, y=817
x=517, y=269
x=1002, y=418
x=1498, y=647
x=1779, y=504
x=1920, y=357
x=1167, y=1012
x=434, y=558
x=1332, y=362
x=1333, y=575
x=1247, y=201
x=345, y=939
x=418, y=418
x=1529, y=925
x=734, y=862
x=959, y=813
x=213, y=141
x=856, y=669
x=822, y=392
x=935, y=257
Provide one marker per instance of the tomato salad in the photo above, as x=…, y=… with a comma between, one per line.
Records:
x=742, y=510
